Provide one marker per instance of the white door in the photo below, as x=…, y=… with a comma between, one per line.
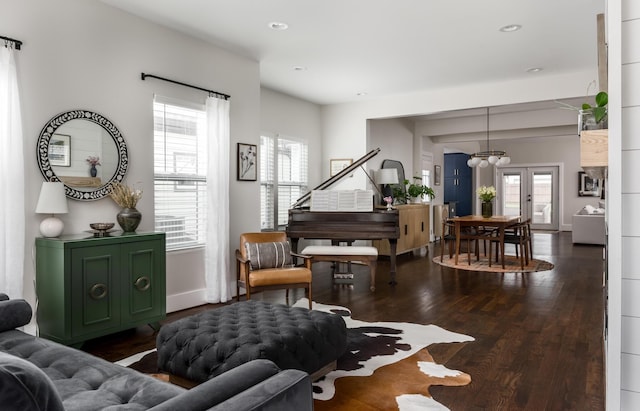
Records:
x=530, y=192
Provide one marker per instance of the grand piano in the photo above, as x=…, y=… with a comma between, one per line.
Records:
x=345, y=226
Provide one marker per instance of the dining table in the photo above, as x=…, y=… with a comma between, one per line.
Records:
x=500, y=222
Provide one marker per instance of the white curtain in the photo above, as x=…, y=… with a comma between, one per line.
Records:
x=217, y=271
x=12, y=188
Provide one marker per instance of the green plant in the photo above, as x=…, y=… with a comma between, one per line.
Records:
x=413, y=190
x=600, y=109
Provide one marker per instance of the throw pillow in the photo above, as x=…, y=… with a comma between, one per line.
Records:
x=23, y=386
x=269, y=255
x=14, y=314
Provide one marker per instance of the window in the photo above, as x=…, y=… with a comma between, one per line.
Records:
x=426, y=181
x=180, y=170
x=283, y=179
x=425, y=173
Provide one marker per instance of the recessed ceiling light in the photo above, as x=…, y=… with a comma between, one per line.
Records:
x=534, y=70
x=299, y=68
x=510, y=27
x=276, y=25
x=362, y=93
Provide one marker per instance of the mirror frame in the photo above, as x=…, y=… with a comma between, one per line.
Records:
x=43, y=152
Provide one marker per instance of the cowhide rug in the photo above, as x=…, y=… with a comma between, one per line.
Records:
x=386, y=366
x=398, y=370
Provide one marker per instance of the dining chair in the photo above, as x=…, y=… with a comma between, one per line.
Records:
x=519, y=235
x=449, y=239
x=264, y=261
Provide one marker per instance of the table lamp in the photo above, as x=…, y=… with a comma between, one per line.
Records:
x=52, y=201
x=385, y=177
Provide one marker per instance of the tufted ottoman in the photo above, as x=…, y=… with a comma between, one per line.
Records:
x=199, y=347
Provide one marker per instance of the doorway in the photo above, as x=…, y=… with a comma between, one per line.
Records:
x=530, y=192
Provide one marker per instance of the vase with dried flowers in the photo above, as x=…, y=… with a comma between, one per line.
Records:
x=93, y=162
x=127, y=197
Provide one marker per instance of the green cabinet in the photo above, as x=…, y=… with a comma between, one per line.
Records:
x=92, y=286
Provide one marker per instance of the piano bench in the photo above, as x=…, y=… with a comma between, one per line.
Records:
x=346, y=254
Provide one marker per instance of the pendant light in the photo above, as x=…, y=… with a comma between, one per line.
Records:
x=483, y=159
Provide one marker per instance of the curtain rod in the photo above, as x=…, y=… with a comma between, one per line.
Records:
x=225, y=96
x=17, y=43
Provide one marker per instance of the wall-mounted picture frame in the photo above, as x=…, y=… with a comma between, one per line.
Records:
x=587, y=186
x=336, y=165
x=247, y=162
x=437, y=174
x=60, y=150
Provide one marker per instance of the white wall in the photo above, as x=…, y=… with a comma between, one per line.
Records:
x=624, y=149
x=84, y=54
x=394, y=137
x=292, y=117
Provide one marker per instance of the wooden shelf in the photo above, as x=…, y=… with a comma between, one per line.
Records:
x=594, y=148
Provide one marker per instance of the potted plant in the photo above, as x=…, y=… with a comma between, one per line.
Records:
x=599, y=111
x=412, y=191
x=592, y=117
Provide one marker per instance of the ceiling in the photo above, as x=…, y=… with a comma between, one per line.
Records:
x=349, y=50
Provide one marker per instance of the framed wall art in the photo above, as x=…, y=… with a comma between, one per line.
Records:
x=338, y=164
x=60, y=150
x=247, y=162
x=437, y=175
x=587, y=186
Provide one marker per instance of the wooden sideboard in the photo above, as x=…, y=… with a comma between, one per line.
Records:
x=414, y=229
x=92, y=286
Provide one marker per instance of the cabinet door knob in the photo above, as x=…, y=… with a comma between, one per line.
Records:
x=142, y=283
x=98, y=291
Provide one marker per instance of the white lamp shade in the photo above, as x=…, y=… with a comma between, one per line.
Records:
x=475, y=161
x=387, y=176
x=52, y=199
x=483, y=163
x=492, y=159
x=470, y=162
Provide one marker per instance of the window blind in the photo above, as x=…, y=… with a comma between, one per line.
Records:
x=180, y=167
x=283, y=178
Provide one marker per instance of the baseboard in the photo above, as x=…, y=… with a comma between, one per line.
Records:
x=182, y=301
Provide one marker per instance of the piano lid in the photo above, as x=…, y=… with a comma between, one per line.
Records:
x=343, y=173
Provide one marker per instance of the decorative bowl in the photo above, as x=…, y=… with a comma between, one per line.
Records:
x=102, y=226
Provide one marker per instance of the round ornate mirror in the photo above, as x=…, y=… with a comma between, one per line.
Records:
x=85, y=151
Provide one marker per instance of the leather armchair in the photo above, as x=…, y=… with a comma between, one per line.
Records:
x=254, y=280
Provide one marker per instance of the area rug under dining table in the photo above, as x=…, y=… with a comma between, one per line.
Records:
x=386, y=366
x=511, y=264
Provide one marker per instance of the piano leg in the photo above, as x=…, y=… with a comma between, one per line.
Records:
x=393, y=244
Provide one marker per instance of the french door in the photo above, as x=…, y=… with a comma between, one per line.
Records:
x=531, y=192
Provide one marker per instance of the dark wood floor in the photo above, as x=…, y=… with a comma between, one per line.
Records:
x=538, y=336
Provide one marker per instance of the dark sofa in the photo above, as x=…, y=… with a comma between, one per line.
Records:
x=38, y=374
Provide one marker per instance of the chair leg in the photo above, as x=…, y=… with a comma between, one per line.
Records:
x=521, y=255
x=372, y=271
x=308, y=294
